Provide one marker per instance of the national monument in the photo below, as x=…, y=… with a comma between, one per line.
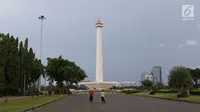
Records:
x=99, y=84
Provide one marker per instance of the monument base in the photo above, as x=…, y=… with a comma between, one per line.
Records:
x=99, y=85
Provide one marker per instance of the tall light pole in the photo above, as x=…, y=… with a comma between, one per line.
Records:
x=41, y=18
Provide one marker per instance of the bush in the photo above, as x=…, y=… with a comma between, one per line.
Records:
x=49, y=92
x=159, y=85
x=41, y=93
x=37, y=93
x=195, y=91
x=10, y=92
x=166, y=91
x=181, y=95
x=152, y=92
x=51, y=88
x=31, y=94
x=130, y=91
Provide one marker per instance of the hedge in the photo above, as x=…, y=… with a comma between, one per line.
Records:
x=192, y=92
x=130, y=91
x=166, y=91
x=195, y=91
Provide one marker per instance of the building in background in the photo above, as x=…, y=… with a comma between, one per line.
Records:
x=146, y=76
x=127, y=84
x=157, y=74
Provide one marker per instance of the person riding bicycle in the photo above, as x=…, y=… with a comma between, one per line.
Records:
x=103, y=96
x=91, y=96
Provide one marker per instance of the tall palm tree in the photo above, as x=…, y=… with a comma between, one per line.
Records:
x=180, y=78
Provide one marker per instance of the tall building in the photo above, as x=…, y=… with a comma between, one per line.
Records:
x=146, y=76
x=157, y=74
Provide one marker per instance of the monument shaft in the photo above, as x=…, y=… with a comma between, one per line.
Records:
x=99, y=63
x=99, y=84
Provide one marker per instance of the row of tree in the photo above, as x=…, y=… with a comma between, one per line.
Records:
x=180, y=78
x=20, y=69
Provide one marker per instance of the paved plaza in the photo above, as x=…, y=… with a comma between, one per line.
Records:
x=117, y=103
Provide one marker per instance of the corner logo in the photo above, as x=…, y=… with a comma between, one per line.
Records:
x=187, y=12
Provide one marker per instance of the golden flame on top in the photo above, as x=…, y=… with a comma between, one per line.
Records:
x=99, y=20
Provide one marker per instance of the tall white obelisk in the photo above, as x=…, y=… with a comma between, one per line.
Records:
x=99, y=64
x=99, y=84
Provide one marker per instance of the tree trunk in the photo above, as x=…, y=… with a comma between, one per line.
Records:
x=196, y=84
x=181, y=91
x=34, y=86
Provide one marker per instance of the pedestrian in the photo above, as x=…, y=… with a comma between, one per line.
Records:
x=103, y=96
x=91, y=93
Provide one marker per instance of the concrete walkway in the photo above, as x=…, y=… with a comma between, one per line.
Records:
x=118, y=103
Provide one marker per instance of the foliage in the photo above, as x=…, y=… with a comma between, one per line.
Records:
x=180, y=78
x=195, y=91
x=147, y=84
x=64, y=72
x=159, y=85
x=153, y=92
x=18, y=65
x=50, y=89
x=182, y=95
x=20, y=69
x=195, y=73
x=130, y=91
x=166, y=91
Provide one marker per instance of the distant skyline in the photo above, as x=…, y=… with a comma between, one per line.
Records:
x=136, y=35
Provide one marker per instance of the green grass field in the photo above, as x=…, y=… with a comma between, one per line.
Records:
x=24, y=103
x=170, y=96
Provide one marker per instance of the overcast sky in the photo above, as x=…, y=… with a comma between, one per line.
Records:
x=137, y=34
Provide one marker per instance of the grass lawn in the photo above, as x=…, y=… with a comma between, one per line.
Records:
x=171, y=96
x=24, y=103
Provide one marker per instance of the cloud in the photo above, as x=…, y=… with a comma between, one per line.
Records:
x=191, y=43
x=188, y=43
x=162, y=45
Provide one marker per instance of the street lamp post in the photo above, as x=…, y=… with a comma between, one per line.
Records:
x=41, y=18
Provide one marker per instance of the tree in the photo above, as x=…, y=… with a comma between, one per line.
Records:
x=147, y=83
x=64, y=72
x=195, y=73
x=20, y=69
x=37, y=70
x=159, y=85
x=180, y=78
x=16, y=65
x=75, y=73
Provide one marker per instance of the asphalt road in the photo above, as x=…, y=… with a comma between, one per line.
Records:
x=118, y=103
